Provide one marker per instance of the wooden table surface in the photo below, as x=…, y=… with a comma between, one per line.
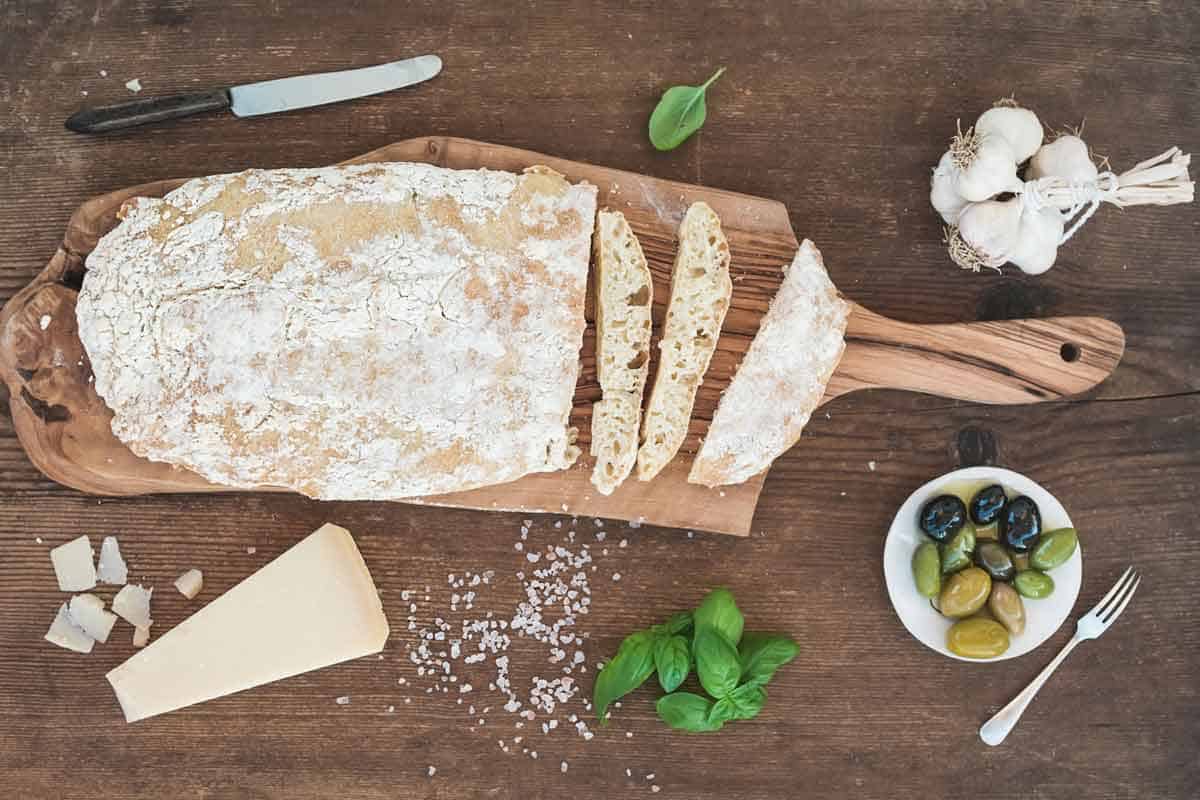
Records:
x=839, y=110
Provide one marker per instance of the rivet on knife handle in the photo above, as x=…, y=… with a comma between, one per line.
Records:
x=152, y=109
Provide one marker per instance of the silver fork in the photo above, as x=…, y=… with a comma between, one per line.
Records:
x=1091, y=625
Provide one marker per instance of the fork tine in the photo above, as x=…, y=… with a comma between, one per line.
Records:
x=1112, y=617
x=1099, y=607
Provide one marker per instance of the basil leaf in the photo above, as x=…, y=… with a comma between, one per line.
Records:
x=687, y=712
x=719, y=612
x=672, y=659
x=627, y=670
x=722, y=711
x=679, y=114
x=678, y=623
x=716, y=663
x=746, y=701
x=763, y=653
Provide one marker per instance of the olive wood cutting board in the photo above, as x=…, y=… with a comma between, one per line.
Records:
x=64, y=425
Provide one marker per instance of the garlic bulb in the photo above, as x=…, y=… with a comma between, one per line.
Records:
x=986, y=165
x=986, y=234
x=1065, y=157
x=1037, y=241
x=1017, y=126
x=943, y=193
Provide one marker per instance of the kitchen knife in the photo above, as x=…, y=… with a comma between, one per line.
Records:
x=267, y=97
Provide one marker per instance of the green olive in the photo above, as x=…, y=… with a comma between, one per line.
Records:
x=956, y=553
x=1033, y=584
x=1054, y=548
x=1006, y=606
x=977, y=638
x=965, y=592
x=987, y=532
x=1020, y=561
x=927, y=570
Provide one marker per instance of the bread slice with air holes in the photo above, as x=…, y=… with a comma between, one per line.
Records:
x=700, y=292
x=624, y=291
x=782, y=378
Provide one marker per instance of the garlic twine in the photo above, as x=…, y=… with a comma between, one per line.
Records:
x=1160, y=181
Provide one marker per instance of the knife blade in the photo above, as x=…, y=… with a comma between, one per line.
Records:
x=266, y=97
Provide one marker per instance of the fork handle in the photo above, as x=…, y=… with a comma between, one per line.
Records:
x=998, y=727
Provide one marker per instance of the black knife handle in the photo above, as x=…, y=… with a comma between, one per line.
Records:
x=139, y=112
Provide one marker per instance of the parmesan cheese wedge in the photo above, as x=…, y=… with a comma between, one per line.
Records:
x=190, y=583
x=314, y=606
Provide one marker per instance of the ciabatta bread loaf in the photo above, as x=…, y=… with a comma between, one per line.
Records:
x=782, y=378
x=700, y=292
x=363, y=332
x=624, y=292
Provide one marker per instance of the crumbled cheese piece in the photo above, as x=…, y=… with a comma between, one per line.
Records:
x=44, y=322
x=190, y=583
x=656, y=788
x=112, y=569
x=344, y=700
x=103, y=73
x=432, y=770
x=141, y=636
x=65, y=633
x=73, y=565
x=871, y=466
x=251, y=551
x=87, y=612
x=563, y=767
x=650, y=776
x=132, y=604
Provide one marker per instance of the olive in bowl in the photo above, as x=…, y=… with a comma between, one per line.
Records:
x=1021, y=525
x=988, y=504
x=943, y=516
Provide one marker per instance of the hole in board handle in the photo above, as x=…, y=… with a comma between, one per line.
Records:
x=1069, y=352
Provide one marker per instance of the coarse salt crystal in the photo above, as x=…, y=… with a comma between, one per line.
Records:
x=432, y=770
x=563, y=767
x=344, y=700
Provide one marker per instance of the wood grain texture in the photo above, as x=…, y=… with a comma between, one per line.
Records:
x=837, y=109
x=65, y=424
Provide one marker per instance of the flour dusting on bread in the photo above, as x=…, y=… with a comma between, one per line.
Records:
x=782, y=378
x=364, y=332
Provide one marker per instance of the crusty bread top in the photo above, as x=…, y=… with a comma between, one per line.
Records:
x=364, y=332
x=782, y=378
x=700, y=294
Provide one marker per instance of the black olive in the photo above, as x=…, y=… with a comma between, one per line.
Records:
x=1021, y=525
x=943, y=516
x=995, y=561
x=988, y=504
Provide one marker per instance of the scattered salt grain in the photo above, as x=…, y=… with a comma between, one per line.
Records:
x=344, y=700
x=655, y=788
x=391, y=709
x=562, y=767
x=616, y=576
x=871, y=466
x=44, y=322
x=650, y=776
x=628, y=772
x=432, y=770
x=251, y=551
x=103, y=73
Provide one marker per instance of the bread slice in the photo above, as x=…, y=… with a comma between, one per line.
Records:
x=700, y=291
x=782, y=378
x=624, y=291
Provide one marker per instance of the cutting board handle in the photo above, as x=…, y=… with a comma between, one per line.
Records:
x=1009, y=361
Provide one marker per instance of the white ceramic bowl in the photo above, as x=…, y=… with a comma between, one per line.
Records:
x=1042, y=617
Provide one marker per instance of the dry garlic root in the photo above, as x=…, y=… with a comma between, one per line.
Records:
x=1061, y=185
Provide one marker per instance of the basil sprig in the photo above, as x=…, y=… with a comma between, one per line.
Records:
x=732, y=668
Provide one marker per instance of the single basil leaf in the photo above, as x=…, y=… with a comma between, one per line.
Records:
x=763, y=653
x=678, y=623
x=627, y=670
x=672, y=659
x=718, y=611
x=686, y=712
x=722, y=711
x=716, y=663
x=679, y=114
x=746, y=701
